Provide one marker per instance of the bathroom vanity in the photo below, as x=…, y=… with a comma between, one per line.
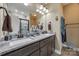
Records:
x=42, y=45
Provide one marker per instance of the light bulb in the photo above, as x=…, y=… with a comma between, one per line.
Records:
x=41, y=6
x=40, y=12
x=34, y=14
x=37, y=10
x=26, y=4
x=44, y=9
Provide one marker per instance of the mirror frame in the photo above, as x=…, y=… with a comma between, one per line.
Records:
x=21, y=24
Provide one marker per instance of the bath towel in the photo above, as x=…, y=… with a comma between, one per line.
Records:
x=7, y=22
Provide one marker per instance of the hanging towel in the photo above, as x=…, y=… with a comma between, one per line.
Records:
x=63, y=30
x=49, y=26
x=7, y=22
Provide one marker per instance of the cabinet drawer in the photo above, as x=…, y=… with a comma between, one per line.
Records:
x=25, y=50
x=43, y=42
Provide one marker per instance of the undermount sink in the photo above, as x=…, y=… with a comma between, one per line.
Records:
x=19, y=41
x=4, y=43
x=14, y=42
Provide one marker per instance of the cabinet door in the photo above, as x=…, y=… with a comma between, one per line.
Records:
x=43, y=51
x=43, y=42
x=36, y=53
x=49, y=47
x=53, y=43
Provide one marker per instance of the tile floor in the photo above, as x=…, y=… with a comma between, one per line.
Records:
x=67, y=52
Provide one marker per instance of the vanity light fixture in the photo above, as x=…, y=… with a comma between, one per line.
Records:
x=44, y=9
x=37, y=10
x=34, y=14
x=41, y=7
x=40, y=12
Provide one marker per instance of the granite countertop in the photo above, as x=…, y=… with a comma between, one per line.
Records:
x=7, y=46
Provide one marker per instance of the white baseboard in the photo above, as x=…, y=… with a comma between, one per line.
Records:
x=57, y=51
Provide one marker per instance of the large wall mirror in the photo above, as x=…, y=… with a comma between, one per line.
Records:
x=18, y=14
x=18, y=17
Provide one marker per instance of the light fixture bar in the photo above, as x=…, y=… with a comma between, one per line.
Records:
x=42, y=10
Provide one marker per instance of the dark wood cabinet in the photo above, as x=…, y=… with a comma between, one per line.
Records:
x=53, y=43
x=36, y=53
x=44, y=47
x=49, y=47
x=41, y=48
x=43, y=51
x=43, y=42
x=24, y=51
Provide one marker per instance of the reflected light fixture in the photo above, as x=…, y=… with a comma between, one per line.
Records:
x=40, y=12
x=44, y=9
x=37, y=10
x=41, y=6
x=34, y=14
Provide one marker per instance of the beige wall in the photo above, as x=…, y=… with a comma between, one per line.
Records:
x=56, y=11
x=71, y=13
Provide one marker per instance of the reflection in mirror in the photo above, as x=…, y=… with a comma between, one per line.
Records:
x=16, y=11
x=24, y=26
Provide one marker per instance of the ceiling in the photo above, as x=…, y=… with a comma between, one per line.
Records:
x=31, y=8
x=64, y=4
x=21, y=7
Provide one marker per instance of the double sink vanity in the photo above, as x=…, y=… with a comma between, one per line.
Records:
x=41, y=45
x=24, y=38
